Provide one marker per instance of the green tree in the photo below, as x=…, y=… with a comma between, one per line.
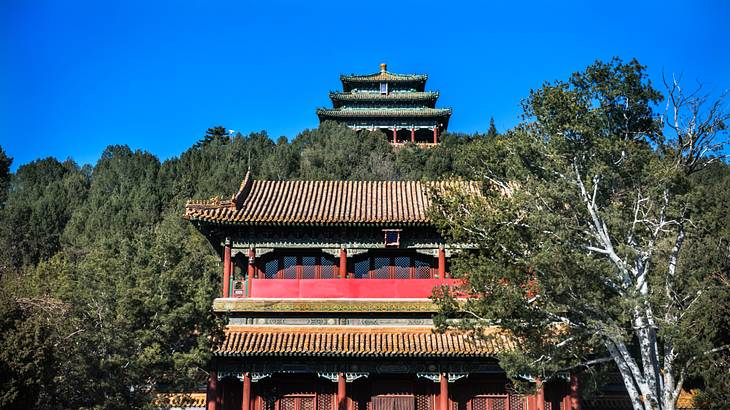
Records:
x=492, y=131
x=5, y=162
x=584, y=232
x=45, y=194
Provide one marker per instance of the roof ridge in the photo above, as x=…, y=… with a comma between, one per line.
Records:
x=240, y=197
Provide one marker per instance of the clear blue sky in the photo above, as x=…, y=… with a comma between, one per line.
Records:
x=76, y=76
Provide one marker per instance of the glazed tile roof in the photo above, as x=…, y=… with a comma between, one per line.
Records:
x=403, y=96
x=384, y=112
x=383, y=76
x=342, y=341
x=379, y=203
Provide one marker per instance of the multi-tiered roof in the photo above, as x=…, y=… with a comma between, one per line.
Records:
x=395, y=103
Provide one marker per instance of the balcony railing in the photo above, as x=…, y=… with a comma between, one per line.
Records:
x=336, y=288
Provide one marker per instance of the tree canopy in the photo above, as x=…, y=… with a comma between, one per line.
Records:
x=597, y=237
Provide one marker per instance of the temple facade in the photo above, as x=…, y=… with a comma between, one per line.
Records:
x=326, y=289
x=397, y=104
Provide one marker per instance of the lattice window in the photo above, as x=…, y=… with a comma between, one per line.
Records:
x=422, y=268
x=309, y=267
x=489, y=403
x=423, y=402
x=361, y=268
x=289, y=268
x=381, y=267
x=329, y=269
x=393, y=403
x=401, y=267
x=325, y=401
x=517, y=402
x=296, y=403
x=271, y=269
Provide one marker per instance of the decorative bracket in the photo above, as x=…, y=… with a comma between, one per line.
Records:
x=258, y=376
x=351, y=377
x=456, y=376
x=329, y=376
x=434, y=377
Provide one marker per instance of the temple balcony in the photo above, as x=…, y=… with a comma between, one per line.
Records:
x=340, y=288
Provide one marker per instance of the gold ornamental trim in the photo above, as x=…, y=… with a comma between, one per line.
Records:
x=242, y=305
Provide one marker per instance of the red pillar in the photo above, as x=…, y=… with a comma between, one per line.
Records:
x=226, y=268
x=395, y=135
x=343, y=263
x=341, y=402
x=251, y=263
x=435, y=135
x=246, y=397
x=444, y=392
x=413, y=135
x=442, y=262
x=574, y=398
x=211, y=396
x=540, y=395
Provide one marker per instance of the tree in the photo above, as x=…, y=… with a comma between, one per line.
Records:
x=5, y=162
x=589, y=239
x=492, y=131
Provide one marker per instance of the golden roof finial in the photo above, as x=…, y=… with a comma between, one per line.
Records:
x=383, y=67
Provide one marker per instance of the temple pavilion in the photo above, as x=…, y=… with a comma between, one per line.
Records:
x=397, y=104
x=325, y=288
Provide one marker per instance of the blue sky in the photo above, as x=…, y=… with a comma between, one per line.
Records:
x=76, y=76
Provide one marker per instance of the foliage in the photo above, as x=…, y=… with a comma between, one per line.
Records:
x=103, y=280
x=593, y=241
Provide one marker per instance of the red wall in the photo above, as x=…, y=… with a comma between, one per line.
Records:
x=344, y=288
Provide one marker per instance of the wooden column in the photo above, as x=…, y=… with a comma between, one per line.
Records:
x=246, y=397
x=221, y=391
x=574, y=398
x=444, y=392
x=442, y=262
x=211, y=395
x=435, y=135
x=251, y=263
x=540, y=395
x=343, y=263
x=413, y=135
x=226, y=268
x=341, y=395
x=395, y=135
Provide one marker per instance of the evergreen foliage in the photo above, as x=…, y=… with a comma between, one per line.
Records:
x=106, y=292
x=600, y=237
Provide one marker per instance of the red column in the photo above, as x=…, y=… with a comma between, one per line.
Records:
x=251, y=263
x=343, y=263
x=540, y=395
x=574, y=398
x=221, y=391
x=442, y=262
x=413, y=135
x=246, y=397
x=226, y=268
x=395, y=135
x=341, y=402
x=211, y=396
x=444, y=392
x=435, y=135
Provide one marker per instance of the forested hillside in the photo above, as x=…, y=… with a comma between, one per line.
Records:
x=106, y=291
